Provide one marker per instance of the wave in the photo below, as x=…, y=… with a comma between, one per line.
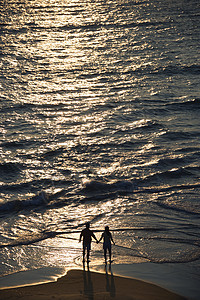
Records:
x=174, y=173
x=175, y=207
x=33, y=185
x=52, y=153
x=16, y=205
x=171, y=70
x=17, y=144
x=170, y=161
x=109, y=145
x=100, y=186
x=178, y=135
x=139, y=125
x=146, y=70
x=94, y=190
x=8, y=108
x=191, y=249
x=10, y=170
x=10, y=167
x=8, y=29
x=187, y=104
x=102, y=191
x=191, y=256
x=43, y=199
x=168, y=70
x=179, y=69
x=194, y=150
x=29, y=239
x=173, y=188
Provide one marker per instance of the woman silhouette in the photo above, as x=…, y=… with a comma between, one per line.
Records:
x=107, y=239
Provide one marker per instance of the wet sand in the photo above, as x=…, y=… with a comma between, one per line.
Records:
x=82, y=284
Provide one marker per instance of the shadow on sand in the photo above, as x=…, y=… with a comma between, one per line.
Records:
x=88, y=281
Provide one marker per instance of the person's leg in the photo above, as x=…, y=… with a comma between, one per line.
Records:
x=83, y=254
x=105, y=256
x=110, y=254
x=88, y=252
x=88, y=255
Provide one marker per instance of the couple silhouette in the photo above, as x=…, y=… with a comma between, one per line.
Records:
x=87, y=236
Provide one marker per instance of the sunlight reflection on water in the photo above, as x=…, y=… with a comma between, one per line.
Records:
x=99, y=101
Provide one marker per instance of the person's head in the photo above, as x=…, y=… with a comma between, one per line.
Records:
x=106, y=229
x=88, y=225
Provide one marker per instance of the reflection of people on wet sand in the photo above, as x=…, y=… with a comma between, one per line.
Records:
x=88, y=285
x=87, y=235
x=107, y=239
x=110, y=284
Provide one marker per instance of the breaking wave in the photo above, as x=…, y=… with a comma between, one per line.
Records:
x=100, y=186
x=43, y=199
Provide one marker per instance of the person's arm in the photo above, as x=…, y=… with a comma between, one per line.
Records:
x=80, y=236
x=101, y=237
x=112, y=239
x=94, y=237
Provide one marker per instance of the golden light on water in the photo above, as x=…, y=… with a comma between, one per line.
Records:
x=97, y=105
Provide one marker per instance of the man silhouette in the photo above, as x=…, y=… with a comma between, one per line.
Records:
x=87, y=235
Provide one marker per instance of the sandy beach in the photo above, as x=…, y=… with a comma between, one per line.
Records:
x=84, y=284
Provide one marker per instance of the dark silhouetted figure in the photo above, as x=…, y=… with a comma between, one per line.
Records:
x=87, y=235
x=107, y=239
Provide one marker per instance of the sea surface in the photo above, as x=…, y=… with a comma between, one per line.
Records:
x=99, y=122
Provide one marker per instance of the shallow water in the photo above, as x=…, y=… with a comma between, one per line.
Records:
x=99, y=109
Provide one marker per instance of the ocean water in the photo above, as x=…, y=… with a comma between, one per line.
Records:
x=99, y=122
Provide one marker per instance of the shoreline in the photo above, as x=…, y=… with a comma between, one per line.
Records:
x=85, y=284
x=177, y=278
